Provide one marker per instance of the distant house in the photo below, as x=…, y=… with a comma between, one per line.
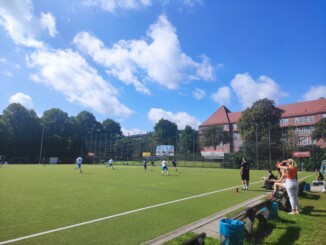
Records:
x=301, y=116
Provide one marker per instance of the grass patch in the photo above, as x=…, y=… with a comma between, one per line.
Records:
x=35, y=199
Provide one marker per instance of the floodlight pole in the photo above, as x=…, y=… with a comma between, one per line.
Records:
x=41, y=147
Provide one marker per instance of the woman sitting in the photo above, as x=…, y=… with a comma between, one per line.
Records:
x=269, y=180
x=280, y=183
x=319, y=178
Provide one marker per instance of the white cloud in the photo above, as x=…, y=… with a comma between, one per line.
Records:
x=68, y=73
x=3, y=60
x=315, y=92
x=22, y=99
x=48, y=22
x=6, y=73
x=113, y=5
x=137, y=62
x=222, y=96
x=182, y=119
x=248, y=90
x=192, y=3
x=132, y=131
x=198, y=94
x=16, y=16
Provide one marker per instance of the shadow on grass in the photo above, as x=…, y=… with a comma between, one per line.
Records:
x=264, y=230
x=261, y=233
x=291, y=235
x=311, y=211
x=310, y=196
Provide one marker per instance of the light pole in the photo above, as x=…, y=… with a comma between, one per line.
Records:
x=41, y=147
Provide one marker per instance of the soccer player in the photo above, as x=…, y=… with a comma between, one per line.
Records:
x=164, y=167
x=174, y=163
x=79, y=162
x=145, y=164
x=44, y=161
x=110, y=164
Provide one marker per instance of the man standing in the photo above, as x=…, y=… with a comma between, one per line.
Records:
x=244, y=172
x=79, y=162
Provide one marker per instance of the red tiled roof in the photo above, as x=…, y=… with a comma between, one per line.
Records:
x=219, y=117
x=234, y=116
x=304, y=108
x=224, y=116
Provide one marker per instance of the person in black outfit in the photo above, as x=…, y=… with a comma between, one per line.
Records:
x=269, y=180
x=174, y=162
x=244, y=172
x=145, y=164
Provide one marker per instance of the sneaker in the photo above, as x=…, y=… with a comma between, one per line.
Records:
x=243, y=188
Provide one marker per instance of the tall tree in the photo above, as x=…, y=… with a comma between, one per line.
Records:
x=165, y=132
x=259, y=128
x=57, y=132
x=87, y=127
x=320, y=130
x=188, y=140
x=23, y=131
x=212, y=136
x=111, y=128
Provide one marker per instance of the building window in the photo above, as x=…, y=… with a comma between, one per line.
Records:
x=235, y=126
x=236, y=136
x=312, y=118
x=296, y=120
x=284, y=121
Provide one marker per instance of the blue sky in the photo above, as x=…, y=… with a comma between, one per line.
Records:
x=137, y=61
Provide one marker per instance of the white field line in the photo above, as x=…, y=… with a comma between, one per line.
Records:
x=121, y=214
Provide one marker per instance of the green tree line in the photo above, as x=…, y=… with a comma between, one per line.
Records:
x=25, y=137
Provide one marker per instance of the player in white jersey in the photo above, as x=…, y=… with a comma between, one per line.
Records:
x=164, y=167
x=110, y=164
x=79, y=162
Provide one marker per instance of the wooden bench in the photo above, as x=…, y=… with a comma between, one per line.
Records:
x=248, y=216
x=197, y=240
x=261, y=211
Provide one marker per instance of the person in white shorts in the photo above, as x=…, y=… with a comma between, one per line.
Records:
x=164, y=167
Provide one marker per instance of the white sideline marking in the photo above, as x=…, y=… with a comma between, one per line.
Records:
x=121, y=214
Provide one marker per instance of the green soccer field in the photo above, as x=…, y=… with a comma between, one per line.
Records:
x=103, y=206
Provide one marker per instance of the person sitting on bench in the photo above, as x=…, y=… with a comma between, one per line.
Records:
x=319, y=178
x=269, y=180
x=280, y=183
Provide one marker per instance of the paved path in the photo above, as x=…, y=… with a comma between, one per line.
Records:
x=209, y=225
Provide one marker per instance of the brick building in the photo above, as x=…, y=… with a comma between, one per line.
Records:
x=301, y=117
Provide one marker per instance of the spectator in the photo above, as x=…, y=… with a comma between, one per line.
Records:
x=291, y=184
x=319, y=178
x=269, y=180
x=279, y=184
